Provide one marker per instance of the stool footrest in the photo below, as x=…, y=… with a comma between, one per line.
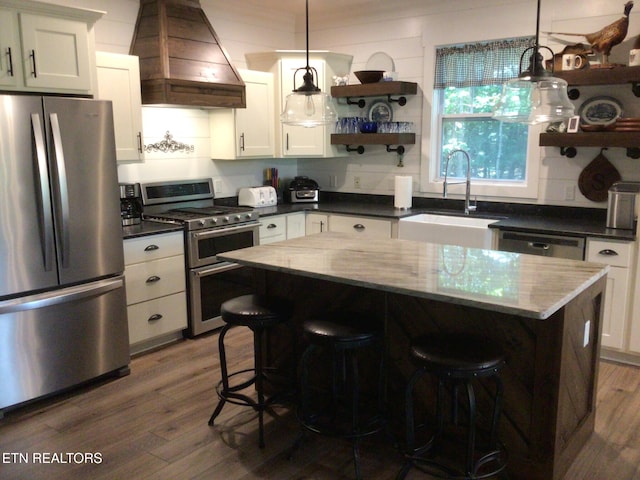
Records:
x=230, y=394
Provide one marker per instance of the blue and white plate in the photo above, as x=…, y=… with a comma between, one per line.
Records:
x=600, y=111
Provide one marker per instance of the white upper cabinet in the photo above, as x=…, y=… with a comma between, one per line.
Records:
x=246, y=132
x=295, y=141
x=119, y=81
x=46, y=47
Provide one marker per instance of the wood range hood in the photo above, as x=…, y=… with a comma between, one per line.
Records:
x=181, y=60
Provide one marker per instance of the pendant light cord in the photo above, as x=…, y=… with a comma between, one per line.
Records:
x=535, y=72
x=307, y=29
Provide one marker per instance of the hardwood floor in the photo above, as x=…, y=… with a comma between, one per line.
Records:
x=152, y=424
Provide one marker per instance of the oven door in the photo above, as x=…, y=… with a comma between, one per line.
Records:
x=209, y=288
x=204, y=245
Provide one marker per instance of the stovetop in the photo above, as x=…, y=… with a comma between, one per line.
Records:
x=195, y=218
x=190, y=203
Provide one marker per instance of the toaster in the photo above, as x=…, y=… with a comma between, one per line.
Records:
x=257, y=197
x=302, y=190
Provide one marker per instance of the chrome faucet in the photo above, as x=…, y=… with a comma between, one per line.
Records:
x=467, y=198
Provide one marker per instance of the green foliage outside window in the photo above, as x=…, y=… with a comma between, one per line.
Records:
x=498, y=150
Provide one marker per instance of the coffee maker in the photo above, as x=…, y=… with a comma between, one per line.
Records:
x=130, y=204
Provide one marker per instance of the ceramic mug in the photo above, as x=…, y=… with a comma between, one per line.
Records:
x=571, y=61
x=634, y=57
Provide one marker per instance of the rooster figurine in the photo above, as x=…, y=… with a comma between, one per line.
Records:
x=608, y=37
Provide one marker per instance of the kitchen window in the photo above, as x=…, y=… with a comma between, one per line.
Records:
x=468, y=82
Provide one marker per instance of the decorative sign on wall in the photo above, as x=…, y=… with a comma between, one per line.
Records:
x=169, y=145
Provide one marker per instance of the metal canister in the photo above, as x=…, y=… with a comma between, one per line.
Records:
x=621, y=207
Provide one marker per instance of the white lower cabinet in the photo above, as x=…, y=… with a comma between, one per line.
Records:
x=316, y=223
x=619, y=255
x=282, y=227
x=156, y=298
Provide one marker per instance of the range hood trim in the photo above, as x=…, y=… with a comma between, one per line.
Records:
x=171, y=82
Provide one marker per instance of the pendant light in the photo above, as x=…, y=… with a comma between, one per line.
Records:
x=535, y=96
x=307, y=105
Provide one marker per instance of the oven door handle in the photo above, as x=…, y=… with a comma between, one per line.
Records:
x=217, y=268
x=223, y=231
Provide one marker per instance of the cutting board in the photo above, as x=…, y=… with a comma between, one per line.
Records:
x=597, y=177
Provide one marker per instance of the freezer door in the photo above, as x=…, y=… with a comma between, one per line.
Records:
x=27, y=254
x=84, y=185
x=53, y=341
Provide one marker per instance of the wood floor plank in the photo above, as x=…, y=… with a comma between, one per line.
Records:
x=152, y=425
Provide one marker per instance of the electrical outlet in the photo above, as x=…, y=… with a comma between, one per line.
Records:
x=587, y=332
x=333, y=181
x=217, y=185
x=569, y=192
x=356, y=182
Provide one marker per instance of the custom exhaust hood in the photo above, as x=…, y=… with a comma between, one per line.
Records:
x=181, y=60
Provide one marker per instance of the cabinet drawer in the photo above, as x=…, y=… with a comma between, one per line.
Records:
x=154, y=279
x=157, y=317
x=617, y=253
x=273, y=229
x=360, y=225
x=152, y=247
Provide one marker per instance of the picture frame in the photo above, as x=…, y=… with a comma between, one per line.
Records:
x=573, y=124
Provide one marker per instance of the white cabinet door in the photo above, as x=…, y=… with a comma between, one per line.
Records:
x=295, y=225
x=316, y=223
x=254, y=124
x=10, y=73
x=273, y=229
x=300, y=141
x=246, y=132
x=119, y=81
x=619, y=255
x=55, y=53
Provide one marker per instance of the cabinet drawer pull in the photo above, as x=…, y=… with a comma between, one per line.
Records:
x=9, y=62
x=32, y=56
x=608, y=252
x=154, y=318
x=272, y=225
x=359, y=227
x=242, y=142
x=151, y=248
x=153, y=279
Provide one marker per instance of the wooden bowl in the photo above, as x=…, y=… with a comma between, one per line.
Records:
x=369, y=76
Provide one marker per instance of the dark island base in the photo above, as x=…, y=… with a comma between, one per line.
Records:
x=550, y=378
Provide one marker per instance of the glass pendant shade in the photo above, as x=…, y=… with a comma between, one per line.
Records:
x=550, y=101
x=514, y=105
x=308, y=109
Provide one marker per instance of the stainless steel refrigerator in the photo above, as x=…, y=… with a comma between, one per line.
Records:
x=63, y=316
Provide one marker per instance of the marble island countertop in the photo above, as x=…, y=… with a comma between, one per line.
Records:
x=525, y=285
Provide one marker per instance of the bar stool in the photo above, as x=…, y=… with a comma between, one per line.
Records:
x=258, y=313
x=455, y=360
x=333, y=400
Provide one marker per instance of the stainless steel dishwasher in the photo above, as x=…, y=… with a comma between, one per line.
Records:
x=563, y=246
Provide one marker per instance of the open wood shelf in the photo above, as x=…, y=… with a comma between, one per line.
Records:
x=600, y=76
x=374, y=89
x=373, y=138
x=591, y=139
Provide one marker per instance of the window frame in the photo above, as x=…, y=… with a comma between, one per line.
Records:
x=487, y=189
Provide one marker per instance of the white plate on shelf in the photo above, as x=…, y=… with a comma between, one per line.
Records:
x=380, y=111
x=600, y=111
x=381, y=61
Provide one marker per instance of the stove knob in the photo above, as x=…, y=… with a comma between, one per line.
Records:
x=226, y=219
x=202, y=223
x=237, y=218
x=249, y=216
x=214, y=221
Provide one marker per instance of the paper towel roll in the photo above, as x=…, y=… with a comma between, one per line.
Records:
x=403, y=186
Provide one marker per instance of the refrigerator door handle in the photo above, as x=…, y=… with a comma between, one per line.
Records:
x=58, y=297
x=45, y=195
x=63, y=190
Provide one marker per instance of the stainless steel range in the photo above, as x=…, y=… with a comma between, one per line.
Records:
x=209, y=229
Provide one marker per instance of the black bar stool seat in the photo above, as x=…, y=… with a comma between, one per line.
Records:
x=456, y=360
x=343, y=349
x=258, y=313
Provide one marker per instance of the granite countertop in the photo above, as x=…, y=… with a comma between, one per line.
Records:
x=524, y=285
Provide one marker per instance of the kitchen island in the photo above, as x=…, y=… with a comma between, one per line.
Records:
x=545, y=312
